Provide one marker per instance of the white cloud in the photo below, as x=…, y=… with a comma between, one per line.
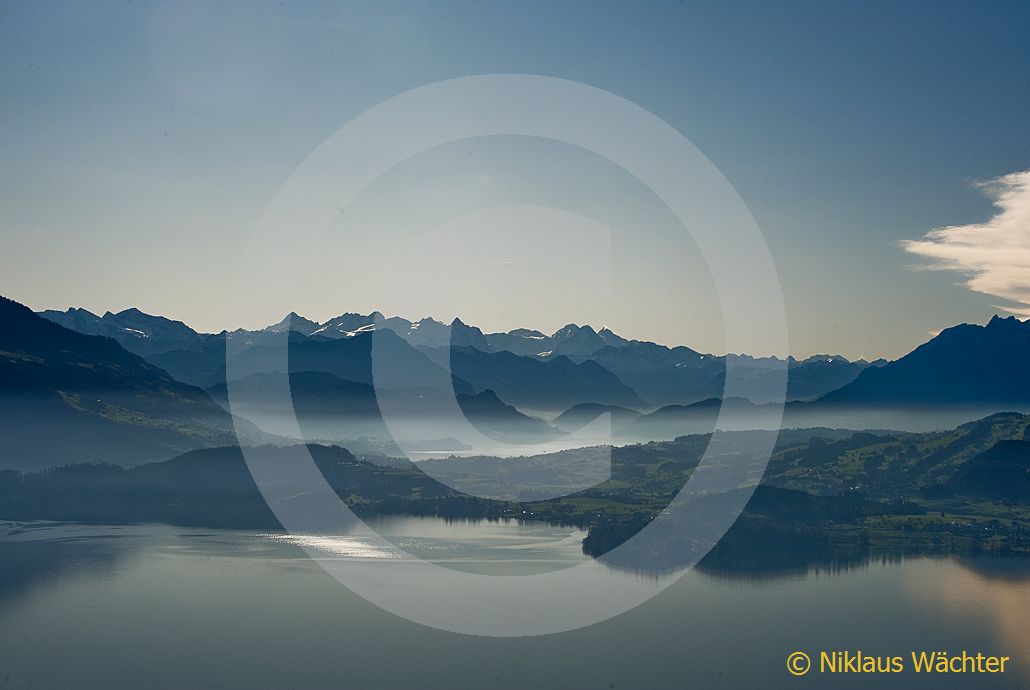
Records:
x=995, y=255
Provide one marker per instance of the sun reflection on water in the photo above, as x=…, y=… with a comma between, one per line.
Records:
x=339, y=546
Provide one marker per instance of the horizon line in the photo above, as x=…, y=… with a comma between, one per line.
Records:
x=585, y=325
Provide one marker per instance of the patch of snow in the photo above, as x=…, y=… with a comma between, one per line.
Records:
x=364, y=329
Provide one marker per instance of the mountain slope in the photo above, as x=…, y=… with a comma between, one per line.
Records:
x=555, y=384
x=818, y=375
x=293, y=322
x=134, y=330
x=348, y=358
x=662, y=375
x=198, y=364
x=66, y=396
x=211, y=487
x=698, y=418
x=578, y=416
x=570, y=340
x=1001, y=473
x=333, y=409
x=967, y=365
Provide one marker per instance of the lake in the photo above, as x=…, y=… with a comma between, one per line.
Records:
x=169, y=607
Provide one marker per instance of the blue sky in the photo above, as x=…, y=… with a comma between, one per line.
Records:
x=141, y=142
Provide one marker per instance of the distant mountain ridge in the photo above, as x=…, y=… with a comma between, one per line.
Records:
x=136, y=331
x=964, y=364
x=655, y=375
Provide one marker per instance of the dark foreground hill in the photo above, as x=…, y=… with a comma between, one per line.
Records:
x=211, y=487
x=1001, y=473
x=70, y=397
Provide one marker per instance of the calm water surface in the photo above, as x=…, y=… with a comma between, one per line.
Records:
x=164, y=607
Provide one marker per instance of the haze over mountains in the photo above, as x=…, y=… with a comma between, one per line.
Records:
x=131, y=387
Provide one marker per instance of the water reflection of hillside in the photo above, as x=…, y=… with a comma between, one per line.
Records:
x=785, y=568
x=31, y=561
x=1014, y=568
x=756, y=561
x=992, y=567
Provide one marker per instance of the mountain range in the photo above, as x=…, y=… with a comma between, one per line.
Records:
x=130, y=387
x=646, y=375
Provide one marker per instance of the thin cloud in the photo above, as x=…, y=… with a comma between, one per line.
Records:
x=995, y=255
